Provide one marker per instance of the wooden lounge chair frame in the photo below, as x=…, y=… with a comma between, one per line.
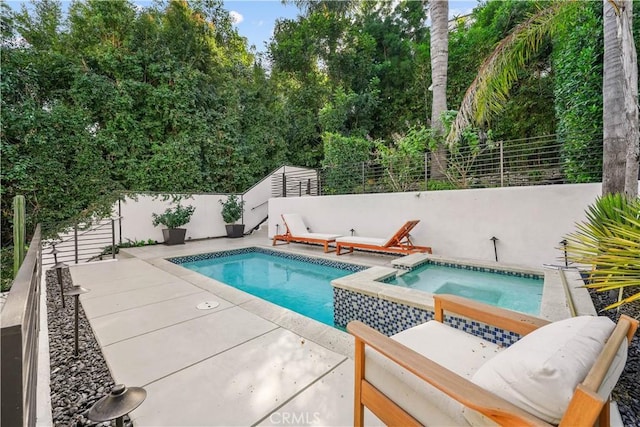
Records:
x=585, y=407
x=398, y=243
x=288, y=238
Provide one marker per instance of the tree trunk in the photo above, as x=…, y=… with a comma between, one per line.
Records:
x=613, y=117
x=439, y=60
x=619, y=96
x=630, y=88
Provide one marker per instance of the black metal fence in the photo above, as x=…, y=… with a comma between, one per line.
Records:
x=295, y=182
x=84, y=243
x=531, y=161
x=20, y=329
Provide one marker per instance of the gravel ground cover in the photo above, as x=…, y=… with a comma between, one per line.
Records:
x=77, y=383
x=627, y=391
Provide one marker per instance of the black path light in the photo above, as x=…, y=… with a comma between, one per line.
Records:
x=75, y=292
x=564, y=243
x=494, y=239
x=58, y=267
x=118, y=403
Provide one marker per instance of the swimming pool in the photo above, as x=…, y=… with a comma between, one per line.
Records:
x=301, y=284
x=521, y=293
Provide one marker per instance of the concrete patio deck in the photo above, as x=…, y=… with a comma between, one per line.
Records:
x=244, y=362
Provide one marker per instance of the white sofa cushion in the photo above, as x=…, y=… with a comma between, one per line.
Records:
x=452, y=348
x=540, y=372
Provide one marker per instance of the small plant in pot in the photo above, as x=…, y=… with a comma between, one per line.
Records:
x=173, y=218
x=232, y=209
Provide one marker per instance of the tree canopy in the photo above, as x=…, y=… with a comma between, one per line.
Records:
x=103, y=96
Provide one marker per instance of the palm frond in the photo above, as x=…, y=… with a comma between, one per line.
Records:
x=634, y=297
x=497, y=74
x=609, y=241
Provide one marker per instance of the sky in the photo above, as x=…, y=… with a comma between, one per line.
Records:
x=255, y=19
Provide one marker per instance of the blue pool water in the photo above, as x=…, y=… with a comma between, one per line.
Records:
x=512, y=292
x=297, y=285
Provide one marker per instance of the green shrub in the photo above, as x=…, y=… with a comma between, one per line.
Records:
x=174, y=217
x=6, y=270
x=232, y=209
x=435, y=185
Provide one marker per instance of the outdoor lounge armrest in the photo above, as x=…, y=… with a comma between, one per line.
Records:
x=448, y=382
x=519, y=323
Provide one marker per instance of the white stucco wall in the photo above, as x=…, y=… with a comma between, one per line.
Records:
x=205, y=222
x=528, y=221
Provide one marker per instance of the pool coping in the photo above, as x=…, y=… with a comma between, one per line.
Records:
x=553, y=306
x=327, y=336
x=327, y=387
x=368, y=281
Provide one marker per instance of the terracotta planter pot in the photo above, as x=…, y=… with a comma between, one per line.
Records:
x=174, y=236
x=235, y=230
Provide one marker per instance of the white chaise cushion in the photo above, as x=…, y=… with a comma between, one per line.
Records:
x=362, y=240
x=318, y=236
x=452, y=348
x=540, y=372
x=295, y=224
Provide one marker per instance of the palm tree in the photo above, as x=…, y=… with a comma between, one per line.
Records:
x=439, y=62
x=620, y=95
x=489, y=91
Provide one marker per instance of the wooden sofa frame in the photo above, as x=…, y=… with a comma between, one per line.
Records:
x=585, y=408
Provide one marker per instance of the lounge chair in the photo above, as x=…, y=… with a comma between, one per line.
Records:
x=398, y=243
x=297, y=232
x=433, y=374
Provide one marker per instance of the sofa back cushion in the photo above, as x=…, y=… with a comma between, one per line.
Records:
x=540, y=372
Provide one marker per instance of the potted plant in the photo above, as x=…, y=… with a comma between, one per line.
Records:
x=173, y=218
x=232, y=209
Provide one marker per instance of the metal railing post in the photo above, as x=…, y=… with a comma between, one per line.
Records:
x=364, y=183
x=284, y=185
x=299, y=188
x=426, y=170
x=501, y=164
x=318, y=178
x=113, y=238
x=75, y=241
x=120, y=221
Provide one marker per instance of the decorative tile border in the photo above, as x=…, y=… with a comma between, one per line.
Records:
x=311, y=260
x=472, y=268
x=390, y=317
x=386, y=316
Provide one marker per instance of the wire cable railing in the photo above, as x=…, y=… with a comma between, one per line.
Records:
x=533, y=161
x=85, y=242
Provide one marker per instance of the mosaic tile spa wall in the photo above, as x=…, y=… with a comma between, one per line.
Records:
x=391, y=317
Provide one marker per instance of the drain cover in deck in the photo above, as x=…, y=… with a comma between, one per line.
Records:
x=207, y=305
